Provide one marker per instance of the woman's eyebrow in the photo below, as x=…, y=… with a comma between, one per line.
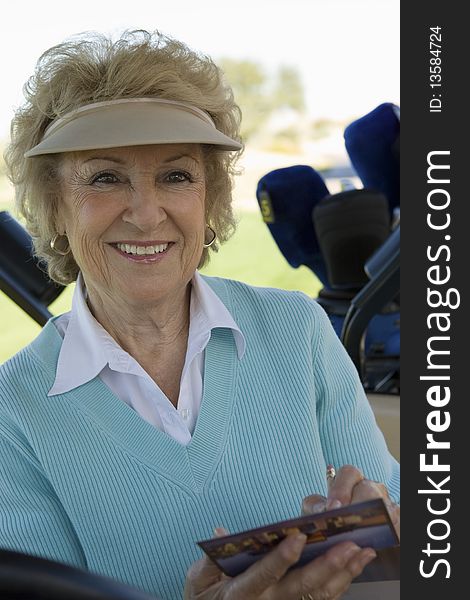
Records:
x=122, y=161
x=110, y=158
x=178, y=156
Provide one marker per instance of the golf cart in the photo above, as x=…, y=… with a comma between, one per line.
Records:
x=353, y=298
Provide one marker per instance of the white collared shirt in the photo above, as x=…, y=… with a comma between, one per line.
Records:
x=89, y=351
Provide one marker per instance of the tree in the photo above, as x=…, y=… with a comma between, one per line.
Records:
x=289, y=91
x=259, y=95
x=250, y=86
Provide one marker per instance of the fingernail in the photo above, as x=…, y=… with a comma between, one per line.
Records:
x=220, y=532
x=351, y=551
x=316, y=508
x=368, y=556
x=332, y=504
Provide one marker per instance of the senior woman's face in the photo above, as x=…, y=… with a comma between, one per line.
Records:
x=134, y=218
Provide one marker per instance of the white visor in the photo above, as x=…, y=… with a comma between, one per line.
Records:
x=131, y=122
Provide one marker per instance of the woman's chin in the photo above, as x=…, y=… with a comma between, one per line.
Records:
x=141, y=291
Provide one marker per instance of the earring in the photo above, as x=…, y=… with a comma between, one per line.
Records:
x=58, y=250
x=214, y=235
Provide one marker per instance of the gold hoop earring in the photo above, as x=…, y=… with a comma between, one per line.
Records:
x=214, y=236
x=58, y=250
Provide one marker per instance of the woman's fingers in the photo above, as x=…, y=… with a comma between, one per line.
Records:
x=314, y=504
x=340, y=489
x=328, y=576
x=202, y=575
x=349, y=487
x=267, y=572
x=369, y=490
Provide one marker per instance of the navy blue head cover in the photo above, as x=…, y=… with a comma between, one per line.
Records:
x=372, y=143
x=287, y=198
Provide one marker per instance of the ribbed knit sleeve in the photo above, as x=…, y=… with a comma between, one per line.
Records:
x=32, y=520
x=348, y=430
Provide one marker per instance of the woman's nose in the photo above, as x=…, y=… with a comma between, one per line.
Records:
x=145, y=207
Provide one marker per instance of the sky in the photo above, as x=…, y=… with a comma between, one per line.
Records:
x=347, y=51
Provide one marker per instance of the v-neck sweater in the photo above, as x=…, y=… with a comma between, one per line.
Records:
x=86, y=481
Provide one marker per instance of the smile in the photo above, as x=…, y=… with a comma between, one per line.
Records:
x=142, y=250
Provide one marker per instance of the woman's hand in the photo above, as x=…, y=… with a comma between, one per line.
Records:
x=328, y=576
x=348, y=487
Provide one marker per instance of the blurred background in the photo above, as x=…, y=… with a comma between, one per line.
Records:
x=302, y=70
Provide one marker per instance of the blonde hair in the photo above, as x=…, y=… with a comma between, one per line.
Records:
x=91, y=68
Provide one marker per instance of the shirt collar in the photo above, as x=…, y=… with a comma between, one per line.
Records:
x=82, y=355
x=207, y=307
x=87, y=347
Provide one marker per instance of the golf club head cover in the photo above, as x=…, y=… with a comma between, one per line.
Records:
x=373, y=146
x=286, y=198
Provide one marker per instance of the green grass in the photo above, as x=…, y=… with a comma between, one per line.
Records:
x=251, y=255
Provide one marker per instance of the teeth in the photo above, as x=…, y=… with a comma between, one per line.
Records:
x=139, y=250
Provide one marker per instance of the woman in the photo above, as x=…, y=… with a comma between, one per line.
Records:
x=165, y=403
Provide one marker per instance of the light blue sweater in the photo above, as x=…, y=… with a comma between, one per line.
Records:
x=86, y=481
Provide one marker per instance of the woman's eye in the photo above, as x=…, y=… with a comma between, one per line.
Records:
x=178, y=177
x=104, y=178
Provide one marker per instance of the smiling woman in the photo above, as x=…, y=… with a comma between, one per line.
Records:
x=117, y=205
x=165, y=403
